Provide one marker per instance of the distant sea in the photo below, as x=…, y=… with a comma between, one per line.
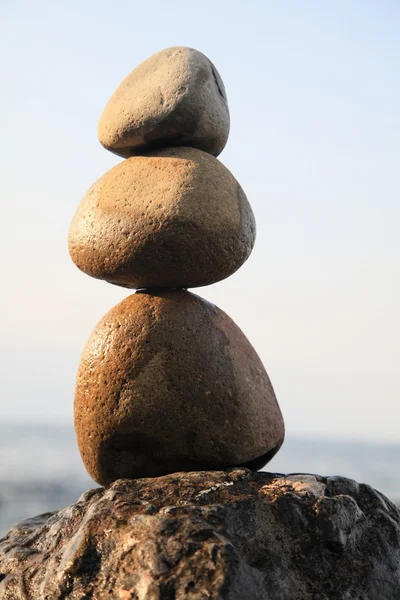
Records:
x=41, y=470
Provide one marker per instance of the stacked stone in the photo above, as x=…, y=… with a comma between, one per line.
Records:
x=167, y=382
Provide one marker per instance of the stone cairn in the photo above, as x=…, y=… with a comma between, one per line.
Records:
x=167, y=382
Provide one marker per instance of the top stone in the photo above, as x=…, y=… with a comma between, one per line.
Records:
x=175, y=97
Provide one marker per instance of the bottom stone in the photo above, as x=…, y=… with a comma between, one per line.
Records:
x=168, y=382
x=233, y=534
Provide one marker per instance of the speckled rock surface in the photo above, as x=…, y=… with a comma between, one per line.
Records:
x=175, y=218
x=175, y=97
x=168, y=382
x=234, y=535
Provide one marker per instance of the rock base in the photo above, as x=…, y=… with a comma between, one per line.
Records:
x=235, y=534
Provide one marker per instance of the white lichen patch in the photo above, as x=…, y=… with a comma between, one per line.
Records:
x=213, y=489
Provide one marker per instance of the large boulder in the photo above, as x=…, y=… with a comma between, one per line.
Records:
x=234, y=535
x=168, y=382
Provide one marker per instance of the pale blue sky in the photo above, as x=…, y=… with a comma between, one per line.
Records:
x=314, y=93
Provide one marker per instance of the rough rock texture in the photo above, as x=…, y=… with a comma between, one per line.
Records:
x=175, y=218
x=233, y=535
x=168, y=382
x=175, y=97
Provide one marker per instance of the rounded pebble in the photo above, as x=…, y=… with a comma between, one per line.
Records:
x=174, y=218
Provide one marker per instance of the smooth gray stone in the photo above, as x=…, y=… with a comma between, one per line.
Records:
x=175, y=97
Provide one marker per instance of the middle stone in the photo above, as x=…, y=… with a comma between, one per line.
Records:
x=172, y=218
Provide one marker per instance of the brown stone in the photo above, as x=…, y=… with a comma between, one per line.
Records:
x=175, y=97
x=167, y=382
x=174, y=218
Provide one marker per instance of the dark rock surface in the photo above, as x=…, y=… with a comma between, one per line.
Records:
x=234, y=535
